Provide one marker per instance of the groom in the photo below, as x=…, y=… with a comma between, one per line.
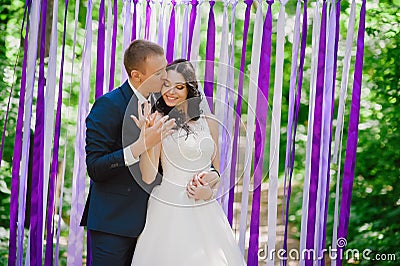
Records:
x=115, y=210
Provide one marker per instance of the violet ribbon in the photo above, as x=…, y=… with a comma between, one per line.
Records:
x=171, y=34
x=100, y=52
x=161, y=24
x=210, y=56
x=339, y=123
x=255, y=94
x=316, y=140
x=238, y=111
x=36, y=211
x=113, y=46
x=193, y=13
x=134, y=21
x=352, y=139
x=147, y=25
x=12, y=248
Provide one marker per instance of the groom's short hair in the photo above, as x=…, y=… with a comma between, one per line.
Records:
x=137, y=53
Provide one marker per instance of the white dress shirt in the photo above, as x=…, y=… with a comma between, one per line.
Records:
x=128, y=156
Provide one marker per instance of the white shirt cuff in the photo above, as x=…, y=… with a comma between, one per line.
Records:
x=128, y=157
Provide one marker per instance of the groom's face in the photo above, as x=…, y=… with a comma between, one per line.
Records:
x=154, y=73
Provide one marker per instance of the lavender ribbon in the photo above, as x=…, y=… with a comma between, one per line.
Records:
x=352, y=139
x=210, y=55
x=75, y=243
x=185, y=30
x=113, y=46
x=161, y=25
x=12, y=248
x=238, y=111
x=171, y=34
x=316, y=141
x=36, y=211
x=226, y=181
x=100, y=52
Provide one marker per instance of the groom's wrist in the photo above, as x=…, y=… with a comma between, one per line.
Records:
x=137, y=148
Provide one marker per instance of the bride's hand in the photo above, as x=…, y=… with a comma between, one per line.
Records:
x=145, y=118
x=199, y=189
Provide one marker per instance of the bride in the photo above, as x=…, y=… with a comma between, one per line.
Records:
x=185, y=225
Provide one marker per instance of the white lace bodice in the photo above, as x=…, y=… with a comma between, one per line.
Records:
x=184, y=155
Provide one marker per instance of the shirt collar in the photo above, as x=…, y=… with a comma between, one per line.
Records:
x=140, y=96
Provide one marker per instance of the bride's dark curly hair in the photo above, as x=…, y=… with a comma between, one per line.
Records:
x=185, y=68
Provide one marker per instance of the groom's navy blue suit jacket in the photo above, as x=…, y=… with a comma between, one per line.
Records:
x=117, y=201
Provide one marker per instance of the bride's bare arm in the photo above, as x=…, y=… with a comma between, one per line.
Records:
x=213, y=179
x=148, y=163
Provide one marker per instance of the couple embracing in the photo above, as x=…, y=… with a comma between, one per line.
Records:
x=152, y=156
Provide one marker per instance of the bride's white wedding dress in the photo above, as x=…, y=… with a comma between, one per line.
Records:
x=180, y=230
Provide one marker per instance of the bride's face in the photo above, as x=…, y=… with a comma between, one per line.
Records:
x=174, y=90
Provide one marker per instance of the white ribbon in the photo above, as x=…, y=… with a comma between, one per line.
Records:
x=251, y=115
x=339, y=124
x=30, y=84
x=314, y=66
x=275, y=134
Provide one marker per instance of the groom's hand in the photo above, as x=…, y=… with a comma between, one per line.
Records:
x=199, y=189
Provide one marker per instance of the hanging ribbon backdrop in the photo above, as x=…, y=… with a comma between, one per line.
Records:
x=194, y=30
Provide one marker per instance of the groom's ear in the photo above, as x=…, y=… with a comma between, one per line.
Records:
x=136, y=75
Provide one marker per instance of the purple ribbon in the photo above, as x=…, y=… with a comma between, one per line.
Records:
x=148, y=15
x=54, y=163
x=193, y=14
x=261, y=118
x=238, y=111
x=12, y=249
x=210, y=56
x=352, y=139
x=296, y=116
x=316, y=140
x=100, y=51
x=134, y=20
x=113, y=46
x=331, y=120
x=171, y=34
x=36, y=212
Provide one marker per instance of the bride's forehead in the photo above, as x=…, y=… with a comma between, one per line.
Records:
x=175, y=77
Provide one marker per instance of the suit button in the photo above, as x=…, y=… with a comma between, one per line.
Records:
x=129, y=189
